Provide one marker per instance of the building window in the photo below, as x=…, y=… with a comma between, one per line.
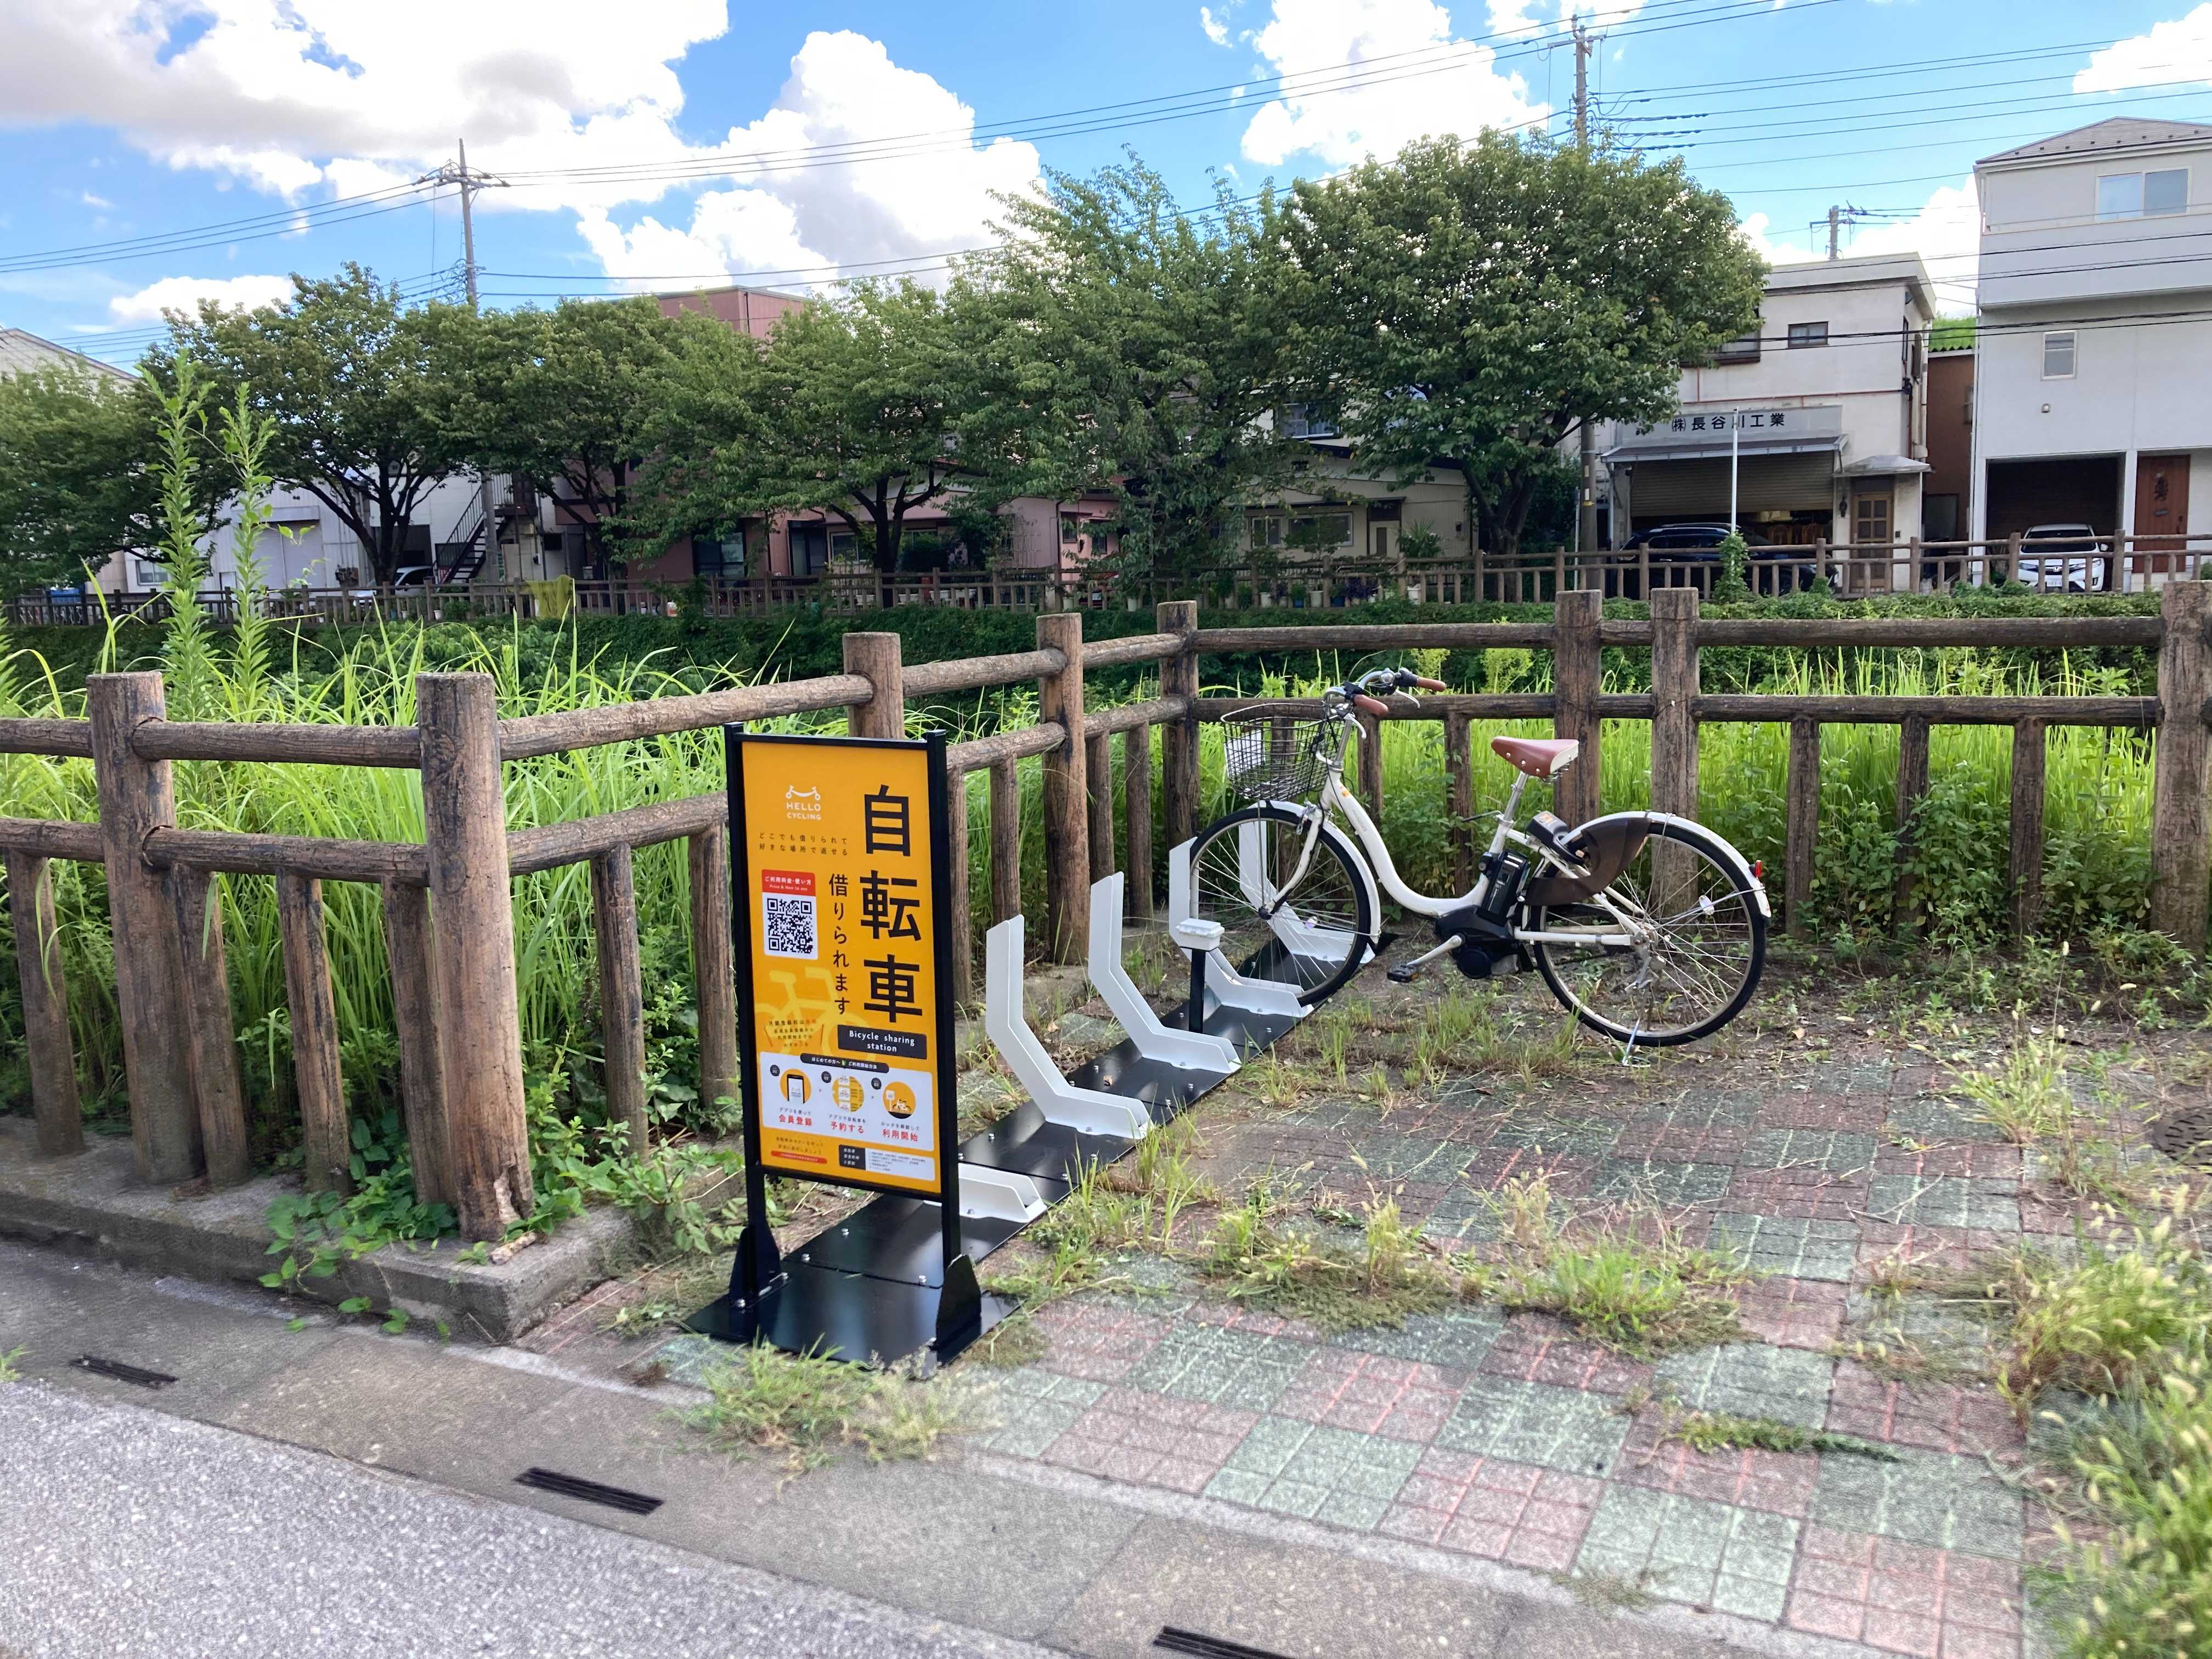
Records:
x=844, y=546
x=2142, y=195
x=1267, y=531
x=723, y=556
x=1300, y=421
x=1870, y=520
x=1807, y=334
x=1322, y=530
x=1744, y=349
x=2058, y=355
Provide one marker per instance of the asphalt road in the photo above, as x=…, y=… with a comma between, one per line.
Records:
x=127, y=1535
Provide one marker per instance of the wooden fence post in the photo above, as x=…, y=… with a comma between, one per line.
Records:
x=1912, y=790
x=324, y=1132
x=621, y=993
x=413, y=963
x=1137, y=812
x=877, y=657
x=1575, y=665
x=45, y=1006
x=211, y=1037
x=1459, y=799
x=1370, y=763
x=2180, y=828
x=961, y=920
x=1099, y=779
x=1066, y=842
x=137, y=797
x=1803, y=791
x=713, y=964
x=1006, y=842
x=1179, y=737
x=480, y=1027
x=1674, y=736
x=2029, y=740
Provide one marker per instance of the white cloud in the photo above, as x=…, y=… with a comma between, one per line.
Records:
x=1407, y=98
x=1945, y=232
x=2171, y=51
x=92, y=200
x=185, y=294
x=300, y=97
x=1216, y=30
x=1527, y=16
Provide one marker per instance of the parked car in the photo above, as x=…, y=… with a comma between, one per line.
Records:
x=2070, y=558
x=1699, y=544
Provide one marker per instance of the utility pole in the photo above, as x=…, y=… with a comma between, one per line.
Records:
x=1837, y=218
x=469, y=183
x=1586, y=521
x=1835, y=224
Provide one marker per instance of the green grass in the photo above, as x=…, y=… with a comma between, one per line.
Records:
x=1334, y=1287
x=1714, y=1432
x=808, y=1409
x=10, y=1371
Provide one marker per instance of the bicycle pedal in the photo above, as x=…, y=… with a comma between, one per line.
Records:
x=1401, y=975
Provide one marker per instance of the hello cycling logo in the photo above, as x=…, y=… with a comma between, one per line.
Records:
x=804, y=805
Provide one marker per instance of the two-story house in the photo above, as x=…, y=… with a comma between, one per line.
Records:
x=2094, y=346
x=1819, y=417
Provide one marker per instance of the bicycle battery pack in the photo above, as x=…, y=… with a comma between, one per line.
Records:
x=1603, y=848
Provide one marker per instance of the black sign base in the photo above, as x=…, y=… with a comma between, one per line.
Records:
x=848, y=1316
x=902, y=1239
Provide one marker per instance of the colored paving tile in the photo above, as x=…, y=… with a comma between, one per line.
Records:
x=1802, y=1194
x=1811, y=1149
x=1517, y=1513
x=1862, y=1115
x=1564, y=1429
x=1100, y=1342
x=1904, y=1598
x=1461, y=1339
x=1534, y=1348
x=1944, y=1201
x=1572, y=1137
x=1801, y=1247
x=1954, y=1158
x=1796, y=1313
x=1030, y=1408
x=1942, y=1417
x=1682, y=1143
x=1221, y=1365
x=1690, y=1549
x=1636, y=1181
x=1734, y=1109
x=1850, y=1077
x=1931, y=1498
x=1315, y=1471
x=1779, y=1482
x=1751, y=1379
x=1931, y=1119
x=1152, y=1440
x=1403, y=1158
x=1460, y=1217
x=1372, y=1393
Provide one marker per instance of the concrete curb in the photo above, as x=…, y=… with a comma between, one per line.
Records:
x=90, y=1203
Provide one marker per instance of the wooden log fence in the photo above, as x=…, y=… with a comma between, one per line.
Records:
x=446, y=902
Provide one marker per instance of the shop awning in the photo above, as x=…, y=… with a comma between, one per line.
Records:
x=1882, y=467
x=1706, y=450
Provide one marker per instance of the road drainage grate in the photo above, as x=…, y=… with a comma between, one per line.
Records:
x=591, y=1492
x=121, y=1372
x=1207, y=1647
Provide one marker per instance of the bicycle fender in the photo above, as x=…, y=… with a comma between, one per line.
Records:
x=1614, y=839
x=1358, y=860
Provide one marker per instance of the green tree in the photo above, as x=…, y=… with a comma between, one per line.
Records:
x=365, y=396
x=563, y=399
x=1478, y=303
x=860, y=406
x=75, y=484
x=1140, y=347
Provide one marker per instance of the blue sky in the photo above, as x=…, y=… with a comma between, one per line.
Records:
x=669, y=143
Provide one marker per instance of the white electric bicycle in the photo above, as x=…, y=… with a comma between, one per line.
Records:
x=1650, y=928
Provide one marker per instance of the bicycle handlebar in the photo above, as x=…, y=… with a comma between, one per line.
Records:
x=1367, y=705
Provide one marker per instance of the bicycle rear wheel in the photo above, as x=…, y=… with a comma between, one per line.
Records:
x=1312, y=927
x=1706, y=944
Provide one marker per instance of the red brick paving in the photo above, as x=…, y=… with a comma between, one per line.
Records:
x=1799, y=1190
x=1938, y=1416
x=1373, y=1393
x=1904, y=1598
x=1779, y=1482
x=1532, y=1350
x=1152, y=1440
x=1793, y=1313
x=1094, y=1343
x=1500, y=1510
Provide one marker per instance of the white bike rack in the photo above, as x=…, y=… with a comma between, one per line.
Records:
x=1185, y=1050
x=1087, y=1111
x=1298, y=936
x=1227, y=987
x=999, y=1195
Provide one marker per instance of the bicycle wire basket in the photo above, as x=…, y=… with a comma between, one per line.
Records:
x=1275, y=752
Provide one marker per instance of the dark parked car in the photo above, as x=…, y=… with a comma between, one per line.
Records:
x=1699, y=544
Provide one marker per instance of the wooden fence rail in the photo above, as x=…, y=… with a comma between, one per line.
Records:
x=446, y=902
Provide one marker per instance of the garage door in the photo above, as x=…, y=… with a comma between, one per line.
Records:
x=2064, y=489
x=1786, y=483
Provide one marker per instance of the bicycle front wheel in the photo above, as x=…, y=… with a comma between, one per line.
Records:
x=1704, y=944
x=1298, y=914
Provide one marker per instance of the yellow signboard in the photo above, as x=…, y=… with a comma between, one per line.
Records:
x=842, y=883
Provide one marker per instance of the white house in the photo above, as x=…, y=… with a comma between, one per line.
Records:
x=2091, y=398
x=1828, y=401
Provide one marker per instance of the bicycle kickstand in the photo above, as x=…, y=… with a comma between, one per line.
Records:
x=1406, y=971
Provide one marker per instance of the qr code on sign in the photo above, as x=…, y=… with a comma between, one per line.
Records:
x=787, y=926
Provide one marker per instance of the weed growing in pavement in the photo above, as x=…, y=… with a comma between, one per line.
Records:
x=1712, y=1431
x=9, y=1370
x=668, y=1293
x=1642, y=1297
x=808, y=1408
x=1609, y=1592
x=2136, y=1580
x=2025, y=1098
x=1328, y=1285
